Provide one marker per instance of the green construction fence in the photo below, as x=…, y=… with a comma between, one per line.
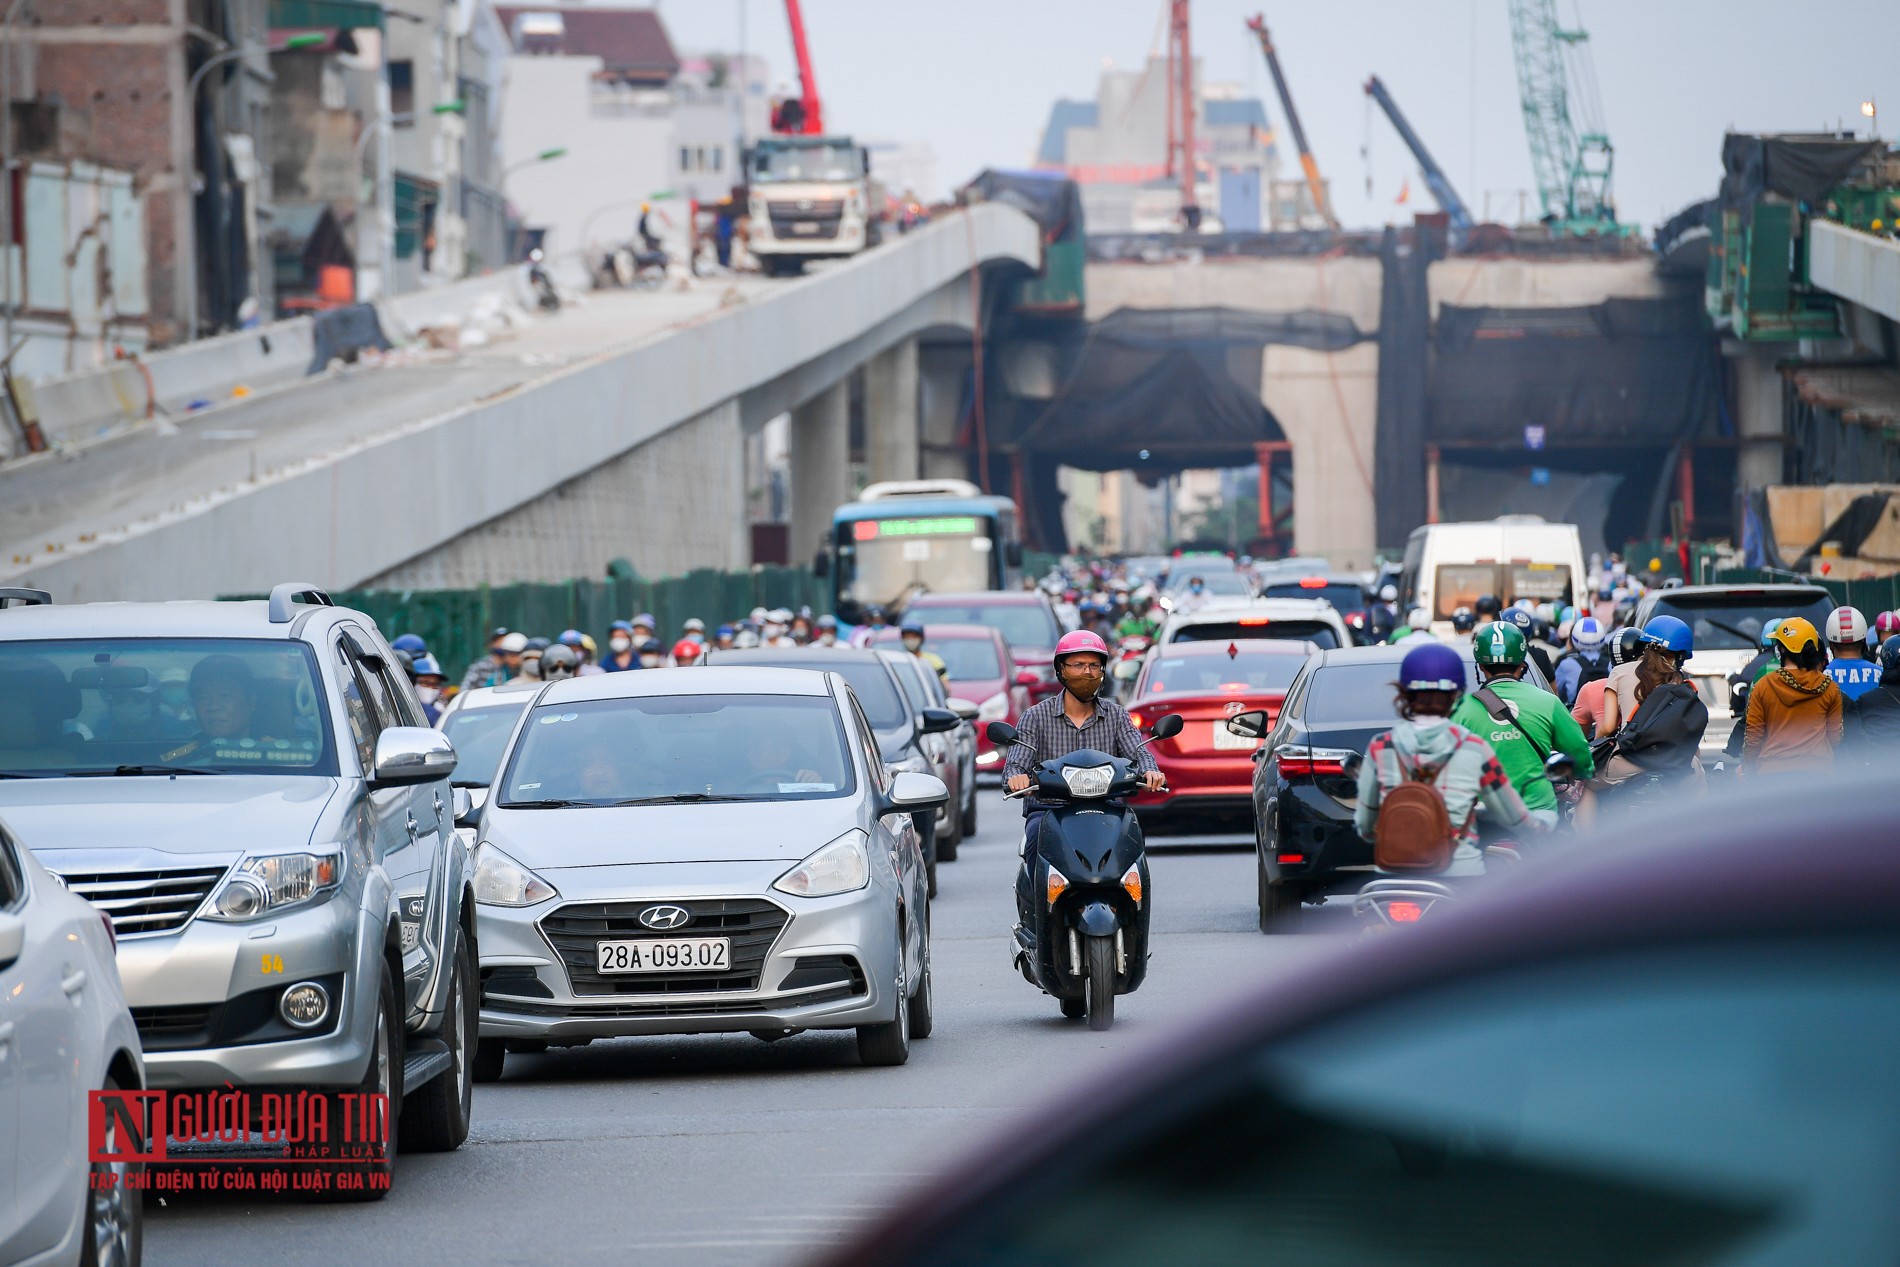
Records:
x=456, y=622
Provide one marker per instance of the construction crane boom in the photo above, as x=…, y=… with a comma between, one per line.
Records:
x=1440, y=184
x=1570, y=148
x=1258, y=25
x=803, y=115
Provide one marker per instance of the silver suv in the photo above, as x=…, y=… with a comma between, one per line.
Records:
x=250, y=792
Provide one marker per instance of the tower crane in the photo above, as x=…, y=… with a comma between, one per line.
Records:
x=1571, y=152
x=1440, y=184
x=1258, y=25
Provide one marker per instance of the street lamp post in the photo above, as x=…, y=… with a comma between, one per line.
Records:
x=542, y=156
x=6, y=175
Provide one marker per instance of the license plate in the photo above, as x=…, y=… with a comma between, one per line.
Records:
x=1226, y=740
x=675, y=954
x=805, y=226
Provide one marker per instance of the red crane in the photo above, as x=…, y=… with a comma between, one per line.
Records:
x=803, y=114
x=1181, y=111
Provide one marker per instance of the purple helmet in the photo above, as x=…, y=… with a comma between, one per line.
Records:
x=1434, y=667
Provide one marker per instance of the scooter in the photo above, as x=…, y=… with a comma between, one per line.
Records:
x=1085, y=937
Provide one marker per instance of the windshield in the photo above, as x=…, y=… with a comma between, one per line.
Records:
x=479, y=736
x=1358, y=694
x=914, y=690
x=1461, y=584
x=1023, y=625
x=881, y=561
x=115, y=706
x=782, y=163
x=964, y=659
x=1316, y=632
x=1247, y=670
x=1733, y=622
x=1220, y=584
x=1344, y=596
x=723, y=747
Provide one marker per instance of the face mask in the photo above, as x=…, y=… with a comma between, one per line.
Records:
x=649, y=662
x=620, y=646
x=1195, y=588
x=1426, y=724
x=913, y=645
x=1081, y=685
x=428, y=694
x=827, y=639
x=699, y=638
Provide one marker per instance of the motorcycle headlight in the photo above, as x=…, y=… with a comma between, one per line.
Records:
x=501, y=881
x=840, y=867
x=271, y=883
x=995, y=708
x=1093, y=780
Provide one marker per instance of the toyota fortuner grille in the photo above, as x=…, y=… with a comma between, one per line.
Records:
x=146, y=902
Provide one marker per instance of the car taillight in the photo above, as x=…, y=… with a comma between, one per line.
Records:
x=1298, y=760
x=1404, y=912
x=1292, y=857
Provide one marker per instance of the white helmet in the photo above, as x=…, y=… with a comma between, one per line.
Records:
x=1388, y=593
x=514, y=644
x=1846, y=624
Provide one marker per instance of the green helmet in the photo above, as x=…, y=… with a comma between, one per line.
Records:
x=1499, y=643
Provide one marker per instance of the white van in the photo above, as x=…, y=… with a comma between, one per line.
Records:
x=1448, y=566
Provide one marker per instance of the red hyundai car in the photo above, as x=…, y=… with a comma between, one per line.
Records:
x=1209, y=768
x=1024, y=617
x=980, y=670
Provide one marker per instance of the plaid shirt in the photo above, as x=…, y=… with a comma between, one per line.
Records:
x=1047, y=733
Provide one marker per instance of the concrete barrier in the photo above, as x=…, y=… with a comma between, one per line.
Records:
x=347, y=516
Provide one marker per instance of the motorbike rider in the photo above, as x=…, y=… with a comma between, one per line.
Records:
x=875, y=618
x=1587, y=661
x=1850, y=668
x=1194, y=597
x=1659, y=736
x=652, y=654
x=1463, y=623
x=912, y=632
x=428, y=682
x=686, y=653
x=1427, y=745
x=1526, y=624
x=1886, y=625
x=1487, y=609
x=1139, y=622
x=1077, y=718
x=1795, y=714
x=827, y=635
x=491, y=669
x=558, y=662
x=1876, y=729
x=1383, y=616
x=1523, y=723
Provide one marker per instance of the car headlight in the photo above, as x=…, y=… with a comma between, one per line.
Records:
x=501, y=881
x=271, y=883
x=840, y=867
x=1092, y=780
x=995, y=708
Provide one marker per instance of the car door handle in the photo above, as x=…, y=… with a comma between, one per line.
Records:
x=6, y=1036
x=414, y=830
x=438, y=804
x=74, y=983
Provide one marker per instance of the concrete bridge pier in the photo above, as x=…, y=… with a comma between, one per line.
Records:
x=820, y=466
x=892, y=443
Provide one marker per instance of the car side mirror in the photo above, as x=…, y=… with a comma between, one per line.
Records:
x=1028, y=677
x=964, y=709
x=1000, y=733
x=12, y=939
x=911, y=791
x=1013, y=554
x=468, y=805
x=937, y=721
x=1250, y=725
x=412, y=754
x=1167, y=727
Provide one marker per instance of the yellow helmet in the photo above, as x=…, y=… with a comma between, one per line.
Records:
x=1796, y=634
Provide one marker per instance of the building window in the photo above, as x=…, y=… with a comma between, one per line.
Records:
x=686, y=159
x=718, y=157
x=402, y=93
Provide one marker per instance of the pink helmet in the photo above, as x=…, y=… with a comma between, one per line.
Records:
x=1887, y=624
x=1078, y=641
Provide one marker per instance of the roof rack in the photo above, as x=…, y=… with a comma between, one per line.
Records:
x=285, y=598
x=24, y=597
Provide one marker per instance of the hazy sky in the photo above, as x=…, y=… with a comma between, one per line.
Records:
x=976, y=78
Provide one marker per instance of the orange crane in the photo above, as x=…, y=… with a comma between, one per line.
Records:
x=1258, y=25
x=802, y=115
x=1181, y=111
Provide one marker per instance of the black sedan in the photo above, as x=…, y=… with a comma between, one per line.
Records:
x=1306, y=776
x=1703, y=1067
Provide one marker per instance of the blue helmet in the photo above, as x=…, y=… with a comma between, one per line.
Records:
x=412, y=643
x=426, y=666
x=570, y=638
x=1890, y=655
x=621, y=626
x=1588, y=633
x=646, y=618
x=1432, y=667
x=1525, y=621
x=912, y=624
x=1768, y=631
x=1671, y=634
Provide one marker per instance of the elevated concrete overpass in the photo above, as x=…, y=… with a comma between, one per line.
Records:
x=615, y=429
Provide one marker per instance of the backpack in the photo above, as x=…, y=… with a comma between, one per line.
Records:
x=1667, y=729
x=1593, y=668
x=1413, y=831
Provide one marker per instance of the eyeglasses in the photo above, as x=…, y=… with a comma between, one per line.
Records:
x=1092, y=669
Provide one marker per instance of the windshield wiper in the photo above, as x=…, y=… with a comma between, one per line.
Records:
x=681, y=798
x=555, y=804
x=150, y=769
x=1731, y=629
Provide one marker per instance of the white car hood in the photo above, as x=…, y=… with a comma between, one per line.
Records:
x=192, y=814
x=751, y=831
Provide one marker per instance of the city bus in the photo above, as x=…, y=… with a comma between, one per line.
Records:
x=905, y=537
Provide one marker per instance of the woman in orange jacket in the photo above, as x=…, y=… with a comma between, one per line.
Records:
x=1794, y=713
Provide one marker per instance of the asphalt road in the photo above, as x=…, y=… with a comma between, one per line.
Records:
x=724, y=1149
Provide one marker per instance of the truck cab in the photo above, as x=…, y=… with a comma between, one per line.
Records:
x=811, y=198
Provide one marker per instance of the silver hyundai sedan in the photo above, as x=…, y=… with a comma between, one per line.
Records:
x=701, y=850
